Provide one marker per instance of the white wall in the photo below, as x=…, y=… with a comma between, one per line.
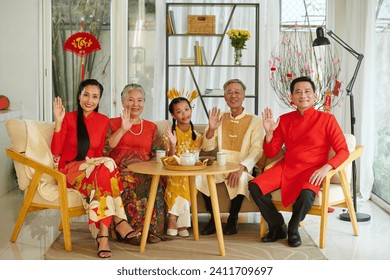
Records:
x=19, y=70
x=19, y=54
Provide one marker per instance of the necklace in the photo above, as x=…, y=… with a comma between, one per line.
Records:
x=140, y=131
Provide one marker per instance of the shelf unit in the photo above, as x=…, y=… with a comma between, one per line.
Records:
x=212, y=66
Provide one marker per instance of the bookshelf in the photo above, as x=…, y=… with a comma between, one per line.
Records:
x=212, y=61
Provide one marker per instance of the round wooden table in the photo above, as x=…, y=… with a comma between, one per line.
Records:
x=157, y=169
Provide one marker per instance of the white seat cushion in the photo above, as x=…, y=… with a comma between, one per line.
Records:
x=18, y=134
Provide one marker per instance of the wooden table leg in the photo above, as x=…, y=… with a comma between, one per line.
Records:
x=149, y=211
x=217, y=217
x=194, y=207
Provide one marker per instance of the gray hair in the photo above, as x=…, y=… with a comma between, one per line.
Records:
x=131, y=87
x=232, y=81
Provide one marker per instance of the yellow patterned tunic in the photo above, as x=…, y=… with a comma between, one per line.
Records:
x=178, y=186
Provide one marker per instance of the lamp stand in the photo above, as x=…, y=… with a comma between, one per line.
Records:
x=321, y=40
x=360, y=217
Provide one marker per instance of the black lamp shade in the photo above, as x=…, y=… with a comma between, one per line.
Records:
x=321, y=39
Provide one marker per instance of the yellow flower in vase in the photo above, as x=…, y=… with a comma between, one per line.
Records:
x=238, y=40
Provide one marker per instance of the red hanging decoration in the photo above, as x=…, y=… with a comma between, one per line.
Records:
x=336, y=89
x=82, y=44
x=328, y=101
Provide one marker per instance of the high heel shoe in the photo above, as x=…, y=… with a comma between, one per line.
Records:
x=100, y=252
x=128, y=238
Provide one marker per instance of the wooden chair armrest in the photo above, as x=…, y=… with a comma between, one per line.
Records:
x=355, y=154
x=38, y=167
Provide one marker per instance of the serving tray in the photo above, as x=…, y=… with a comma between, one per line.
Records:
x=171, y=164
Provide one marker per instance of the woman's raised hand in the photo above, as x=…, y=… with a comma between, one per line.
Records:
x=58, y=109
x=126, y=123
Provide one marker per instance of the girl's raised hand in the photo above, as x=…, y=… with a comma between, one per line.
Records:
x=171, y=135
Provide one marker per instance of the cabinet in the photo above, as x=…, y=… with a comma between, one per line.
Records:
x=217, y=49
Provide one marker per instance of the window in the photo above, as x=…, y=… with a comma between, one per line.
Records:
x=302, y=13
x=295, y=56
x=68, y=18
x=381, y=165
x=93, y=16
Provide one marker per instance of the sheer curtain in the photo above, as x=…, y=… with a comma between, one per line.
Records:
x=361, y=24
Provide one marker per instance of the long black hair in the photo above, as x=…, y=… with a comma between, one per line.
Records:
x=83, y=141
x=171, y=110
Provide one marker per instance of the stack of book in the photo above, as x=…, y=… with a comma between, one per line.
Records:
x=187, y=61
x=200, y=57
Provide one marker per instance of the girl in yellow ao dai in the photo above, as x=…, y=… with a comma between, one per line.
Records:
x=180, y=138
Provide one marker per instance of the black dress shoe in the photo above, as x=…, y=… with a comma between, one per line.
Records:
x=275, y=234
x=231, y=227
x=294, y=240
x=209, y=228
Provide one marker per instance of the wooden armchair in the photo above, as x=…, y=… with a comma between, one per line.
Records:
x=335, y=191
x=44, y=187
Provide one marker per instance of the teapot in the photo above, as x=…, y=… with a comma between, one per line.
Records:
x=186, y=159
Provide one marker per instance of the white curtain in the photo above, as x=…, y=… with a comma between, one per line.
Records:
x=360, y=19
x=367, y=104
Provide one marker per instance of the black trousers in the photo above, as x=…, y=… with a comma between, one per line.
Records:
x=235, y=206
x=273, y=217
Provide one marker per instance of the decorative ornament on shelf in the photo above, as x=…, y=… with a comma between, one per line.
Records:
x=238, y=40
x=293, y=57
x=174, y=93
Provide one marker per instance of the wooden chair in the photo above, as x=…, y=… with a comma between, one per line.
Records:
x=335, y=191
x=44, y=187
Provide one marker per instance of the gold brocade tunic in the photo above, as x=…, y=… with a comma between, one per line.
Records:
x=233, y=132
x=178, y=186
x=241, y=137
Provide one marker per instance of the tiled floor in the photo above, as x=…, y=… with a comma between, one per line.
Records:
x=40, y=230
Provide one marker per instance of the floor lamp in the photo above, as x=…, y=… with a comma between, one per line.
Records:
x=322, y=40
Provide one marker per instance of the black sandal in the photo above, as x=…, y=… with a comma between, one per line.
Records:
x=129, y=238
x=99, y=253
